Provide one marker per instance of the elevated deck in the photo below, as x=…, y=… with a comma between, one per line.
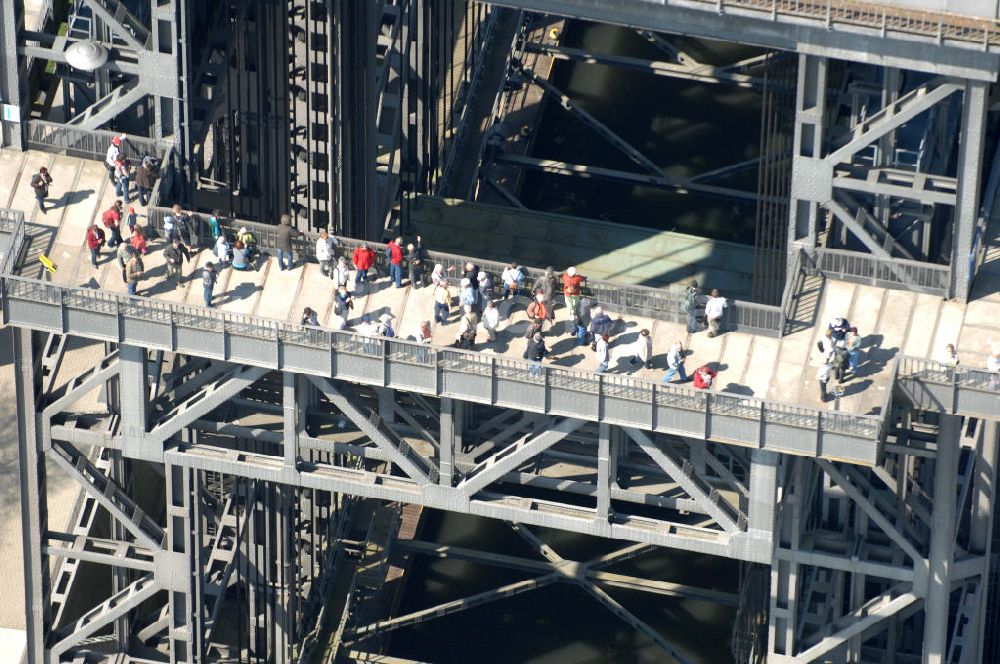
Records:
x=766, y=394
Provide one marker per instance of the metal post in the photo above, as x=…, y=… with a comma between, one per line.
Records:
x=810, y=106
x=12, y=84
x=981, y=529
x=763, y=490
x=34, y=513
x=133, y=400
x=604, y=471
x=450, y=439
x=936, y=607
x=970, y=156
x=292, y=416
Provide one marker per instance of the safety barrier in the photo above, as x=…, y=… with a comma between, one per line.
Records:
x=883, y=272
x=89, y=144
x=658, y=303
x=961, y=390
x=886, y=18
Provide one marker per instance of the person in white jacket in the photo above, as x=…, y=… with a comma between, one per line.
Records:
x=491, y=319
x=324, y=252
x=222, y=249
x=601, y=349
x=114, y=152
x=340, y=273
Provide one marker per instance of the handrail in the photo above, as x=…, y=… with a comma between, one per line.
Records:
x=883, y=272
x=962, y=375
x=660, y=303
x=89, y=144
x=979, y=32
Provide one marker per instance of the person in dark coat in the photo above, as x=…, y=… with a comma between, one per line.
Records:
x=285, y=234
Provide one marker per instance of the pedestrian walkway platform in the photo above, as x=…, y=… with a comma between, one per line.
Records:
x=766, y=394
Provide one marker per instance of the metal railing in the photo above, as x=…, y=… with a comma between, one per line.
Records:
x=886, y=18
x=659, y=303
x=960, y=390
x=883, y=272
x=89, y=144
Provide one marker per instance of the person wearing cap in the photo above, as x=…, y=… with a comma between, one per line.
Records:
x=363, y=259
x=145, y=177
x=840, y=327
x=468, y=295
x=367, y=329
x=112, y=155
x=385, y=326
x=704, y=375
x=572, y=289
x=535, y=353
x=208, y=278
x=40, y=182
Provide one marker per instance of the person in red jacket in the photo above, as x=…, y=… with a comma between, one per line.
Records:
x=95, y=240
x=112, y=219
x=703, y=377
x=572, y=288
x=363, y=260
x=138, y=240
x=395, y=251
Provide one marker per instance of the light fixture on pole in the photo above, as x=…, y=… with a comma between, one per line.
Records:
x=86, y=55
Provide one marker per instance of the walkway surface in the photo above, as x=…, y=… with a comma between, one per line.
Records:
x=784, y=369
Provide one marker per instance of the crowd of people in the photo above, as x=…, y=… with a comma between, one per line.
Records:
x=469, y=298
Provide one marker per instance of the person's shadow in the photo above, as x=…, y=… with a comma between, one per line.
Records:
x=70, y=198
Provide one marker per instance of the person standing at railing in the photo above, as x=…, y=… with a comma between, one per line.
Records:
x=438, y=275
x=178, y=224
x=111, y=218
x=416, y=257
x=535, y=353
x=512, y=278
x=115, y=150
x=572, y=289
x=993, y=366
x=691, y=304
x=40, y=182
x=145, y=178
x=286, y=232
x=208, y=278
x=214, y=225
x=324, y=253
x=175, y=255
x=122, y=173
x=95, y=240
x=394, y=252
x=547, y=286
x=363, y=259
x=715, y=308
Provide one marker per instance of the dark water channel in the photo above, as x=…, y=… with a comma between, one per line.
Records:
x=559, y=623
x=685, y=127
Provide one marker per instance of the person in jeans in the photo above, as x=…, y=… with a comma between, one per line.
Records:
x=442, y=302
x=122, y=174
x=675, y=363
x=208, y=278
x=145, y=177
x=324, y=252
x=395, y=251
x=284, y=241
x=363, y=259
x=512, y=279
x=113, y=154
x=133, y=272
x=40, y=182
x=95, y=240
x=535, y=353
x=601, y=349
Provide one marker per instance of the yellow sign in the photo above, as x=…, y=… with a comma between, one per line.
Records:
x=49, y=265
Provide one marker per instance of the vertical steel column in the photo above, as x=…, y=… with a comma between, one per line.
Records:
x=942, y=549
x=763, y=494
x=604, y=472
x=981, y=527
x=133, y=400
x=293, y=415
x=34, y=501
x=970, y=157
x=183, y=596
x=810, y=104
x=783, y=612
x=452, y=421
x=12, y=85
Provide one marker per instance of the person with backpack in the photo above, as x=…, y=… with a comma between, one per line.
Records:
x=512, y=279
x=467, y=326
x=641, y=350
x=111, y=218
x=95, y=240
x=208, y=278
x=582, y=320
x=547, y=286
x=176, y=224
x=124, y=254
x=690, y=305
x=40, y=182
x=600, y=323
x=122, y=174
x=343, y=299
x=286, y=232
x=385, y=326
x=115, y=151
x=145, y=178
x=538, y=311
x=363, y=259
x=394, y=252
x=340, y=274
x=175, y=255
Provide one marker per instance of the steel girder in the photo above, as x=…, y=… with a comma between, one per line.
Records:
x=858, y=556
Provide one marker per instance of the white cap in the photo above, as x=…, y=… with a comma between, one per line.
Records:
x=243, y=229
x=571, y=272
x=466, y=282
x=385, y=318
